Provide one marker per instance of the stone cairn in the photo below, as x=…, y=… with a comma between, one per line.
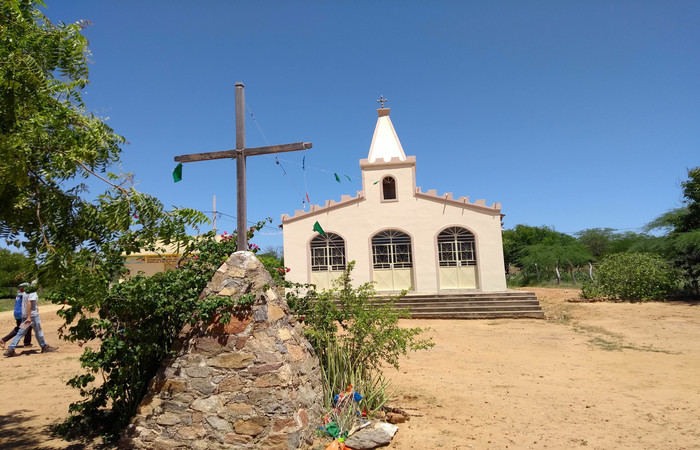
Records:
x=251, y=383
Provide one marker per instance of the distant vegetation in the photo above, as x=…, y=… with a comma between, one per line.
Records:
x=601, y=258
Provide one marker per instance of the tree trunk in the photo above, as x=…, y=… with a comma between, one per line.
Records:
x=556, y=269
x=571, y=269
x=590, y=270
x=537, y=268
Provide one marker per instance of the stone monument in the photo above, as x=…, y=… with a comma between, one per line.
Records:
x=253, y=382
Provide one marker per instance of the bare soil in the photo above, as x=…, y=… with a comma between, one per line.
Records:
x=595, y=375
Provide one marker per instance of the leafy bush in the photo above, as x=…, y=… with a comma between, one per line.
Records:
x=631, y=276
x=354, y=333
x=135, y=321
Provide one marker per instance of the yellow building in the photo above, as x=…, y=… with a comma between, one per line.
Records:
x=399, y=236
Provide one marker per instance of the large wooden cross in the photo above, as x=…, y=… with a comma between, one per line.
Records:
x=239, y=154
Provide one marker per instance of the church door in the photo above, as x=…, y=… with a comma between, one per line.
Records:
x=327, y=259
x=392, y=261
x=457, y=257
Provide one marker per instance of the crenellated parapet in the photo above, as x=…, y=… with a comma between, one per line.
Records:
x=462, y=202
x=330, y=205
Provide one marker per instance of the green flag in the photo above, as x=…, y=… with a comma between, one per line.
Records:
x=337, y=178
x=317, y=227
x=177, y=173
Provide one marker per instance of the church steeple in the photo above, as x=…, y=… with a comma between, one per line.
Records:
x=385, y=142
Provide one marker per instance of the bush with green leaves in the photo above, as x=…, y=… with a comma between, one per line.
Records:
x=131, y=324
x=631, y=276
x=354, y=332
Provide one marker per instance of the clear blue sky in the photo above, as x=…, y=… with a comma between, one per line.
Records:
x=570, y=114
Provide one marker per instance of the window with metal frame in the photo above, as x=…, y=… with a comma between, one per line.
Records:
x=391, y=249
x=388, y=188
x=327, y=253
x=456, y=247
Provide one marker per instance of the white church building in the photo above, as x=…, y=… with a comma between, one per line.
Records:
x=399, y=236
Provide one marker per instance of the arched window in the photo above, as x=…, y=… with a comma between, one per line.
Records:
x=456, y=247
x=391, y=249
x=327, y=253
x=388, y=188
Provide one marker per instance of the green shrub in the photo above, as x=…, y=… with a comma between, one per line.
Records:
x=353, y=334
x=631, y=276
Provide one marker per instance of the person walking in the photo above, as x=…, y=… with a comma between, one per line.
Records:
x=18, y=318
x=31, y=319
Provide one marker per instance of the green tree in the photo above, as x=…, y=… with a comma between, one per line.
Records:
x=682, y=226
x=49, y=142
x=597, y=240
x=14, y=269
x=524, y=246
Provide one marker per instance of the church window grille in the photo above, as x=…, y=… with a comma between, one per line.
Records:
x=457, y=247
x=388, y=188
x=327, y=253
x=391, y=249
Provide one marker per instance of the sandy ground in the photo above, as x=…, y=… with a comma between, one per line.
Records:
x=596, y=375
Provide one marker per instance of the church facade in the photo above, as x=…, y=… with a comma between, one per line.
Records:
x=399, y=236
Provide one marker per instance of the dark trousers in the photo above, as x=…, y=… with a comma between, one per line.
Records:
x=13, y=333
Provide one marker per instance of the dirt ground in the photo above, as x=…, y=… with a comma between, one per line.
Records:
x=596, y=375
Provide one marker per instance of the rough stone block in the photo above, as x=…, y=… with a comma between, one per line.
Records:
x=251, y=427
x=238, y=360
x=237, y=324
x=168, y=419
x=211, y=345
x=207, y=405
x=231, y=384
x=275, y=313
x=219, y=424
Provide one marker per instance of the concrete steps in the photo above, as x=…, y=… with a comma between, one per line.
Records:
x=473, y=305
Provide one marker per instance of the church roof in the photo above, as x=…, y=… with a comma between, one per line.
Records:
x=385, y=142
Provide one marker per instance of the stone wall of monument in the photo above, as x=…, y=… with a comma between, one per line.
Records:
x=251, y=383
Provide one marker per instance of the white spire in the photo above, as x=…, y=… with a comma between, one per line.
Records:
x=385, y=143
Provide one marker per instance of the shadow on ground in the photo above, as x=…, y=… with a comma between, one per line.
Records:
x=15, y=434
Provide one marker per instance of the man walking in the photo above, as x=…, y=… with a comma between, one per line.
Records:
x=19, y=313
x=31, y=319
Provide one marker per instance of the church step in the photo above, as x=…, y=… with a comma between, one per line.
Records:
x=532, y=314
x=498, y=302
x=468, y=308
x=472, y=305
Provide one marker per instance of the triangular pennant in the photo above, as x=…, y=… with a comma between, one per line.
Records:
x=317, y=227
x=376, y=182
x=177, y=173
x=303, y=163
x=348, y=178
x=337, y=178
x=307, y=198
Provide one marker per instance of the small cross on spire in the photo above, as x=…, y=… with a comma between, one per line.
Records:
x=382, y=100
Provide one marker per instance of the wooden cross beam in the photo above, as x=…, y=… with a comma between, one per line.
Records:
x=240, y=154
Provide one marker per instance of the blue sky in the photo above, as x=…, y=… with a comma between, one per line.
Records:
x=570, y=114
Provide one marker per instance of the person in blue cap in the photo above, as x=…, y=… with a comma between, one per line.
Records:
x=18, y=318
x=31, y=318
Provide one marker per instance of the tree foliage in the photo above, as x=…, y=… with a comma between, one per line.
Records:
x=681, y=244
x=15, y=268
x=49, y=144
x=48, y=139
x=535, y=248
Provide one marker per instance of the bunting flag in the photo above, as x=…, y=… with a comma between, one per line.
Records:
x=317, y=227
x=307, y=198
x=348, y=178
x=337, y=178
x=177, y=173
x=376, y=182
x=303, y=163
